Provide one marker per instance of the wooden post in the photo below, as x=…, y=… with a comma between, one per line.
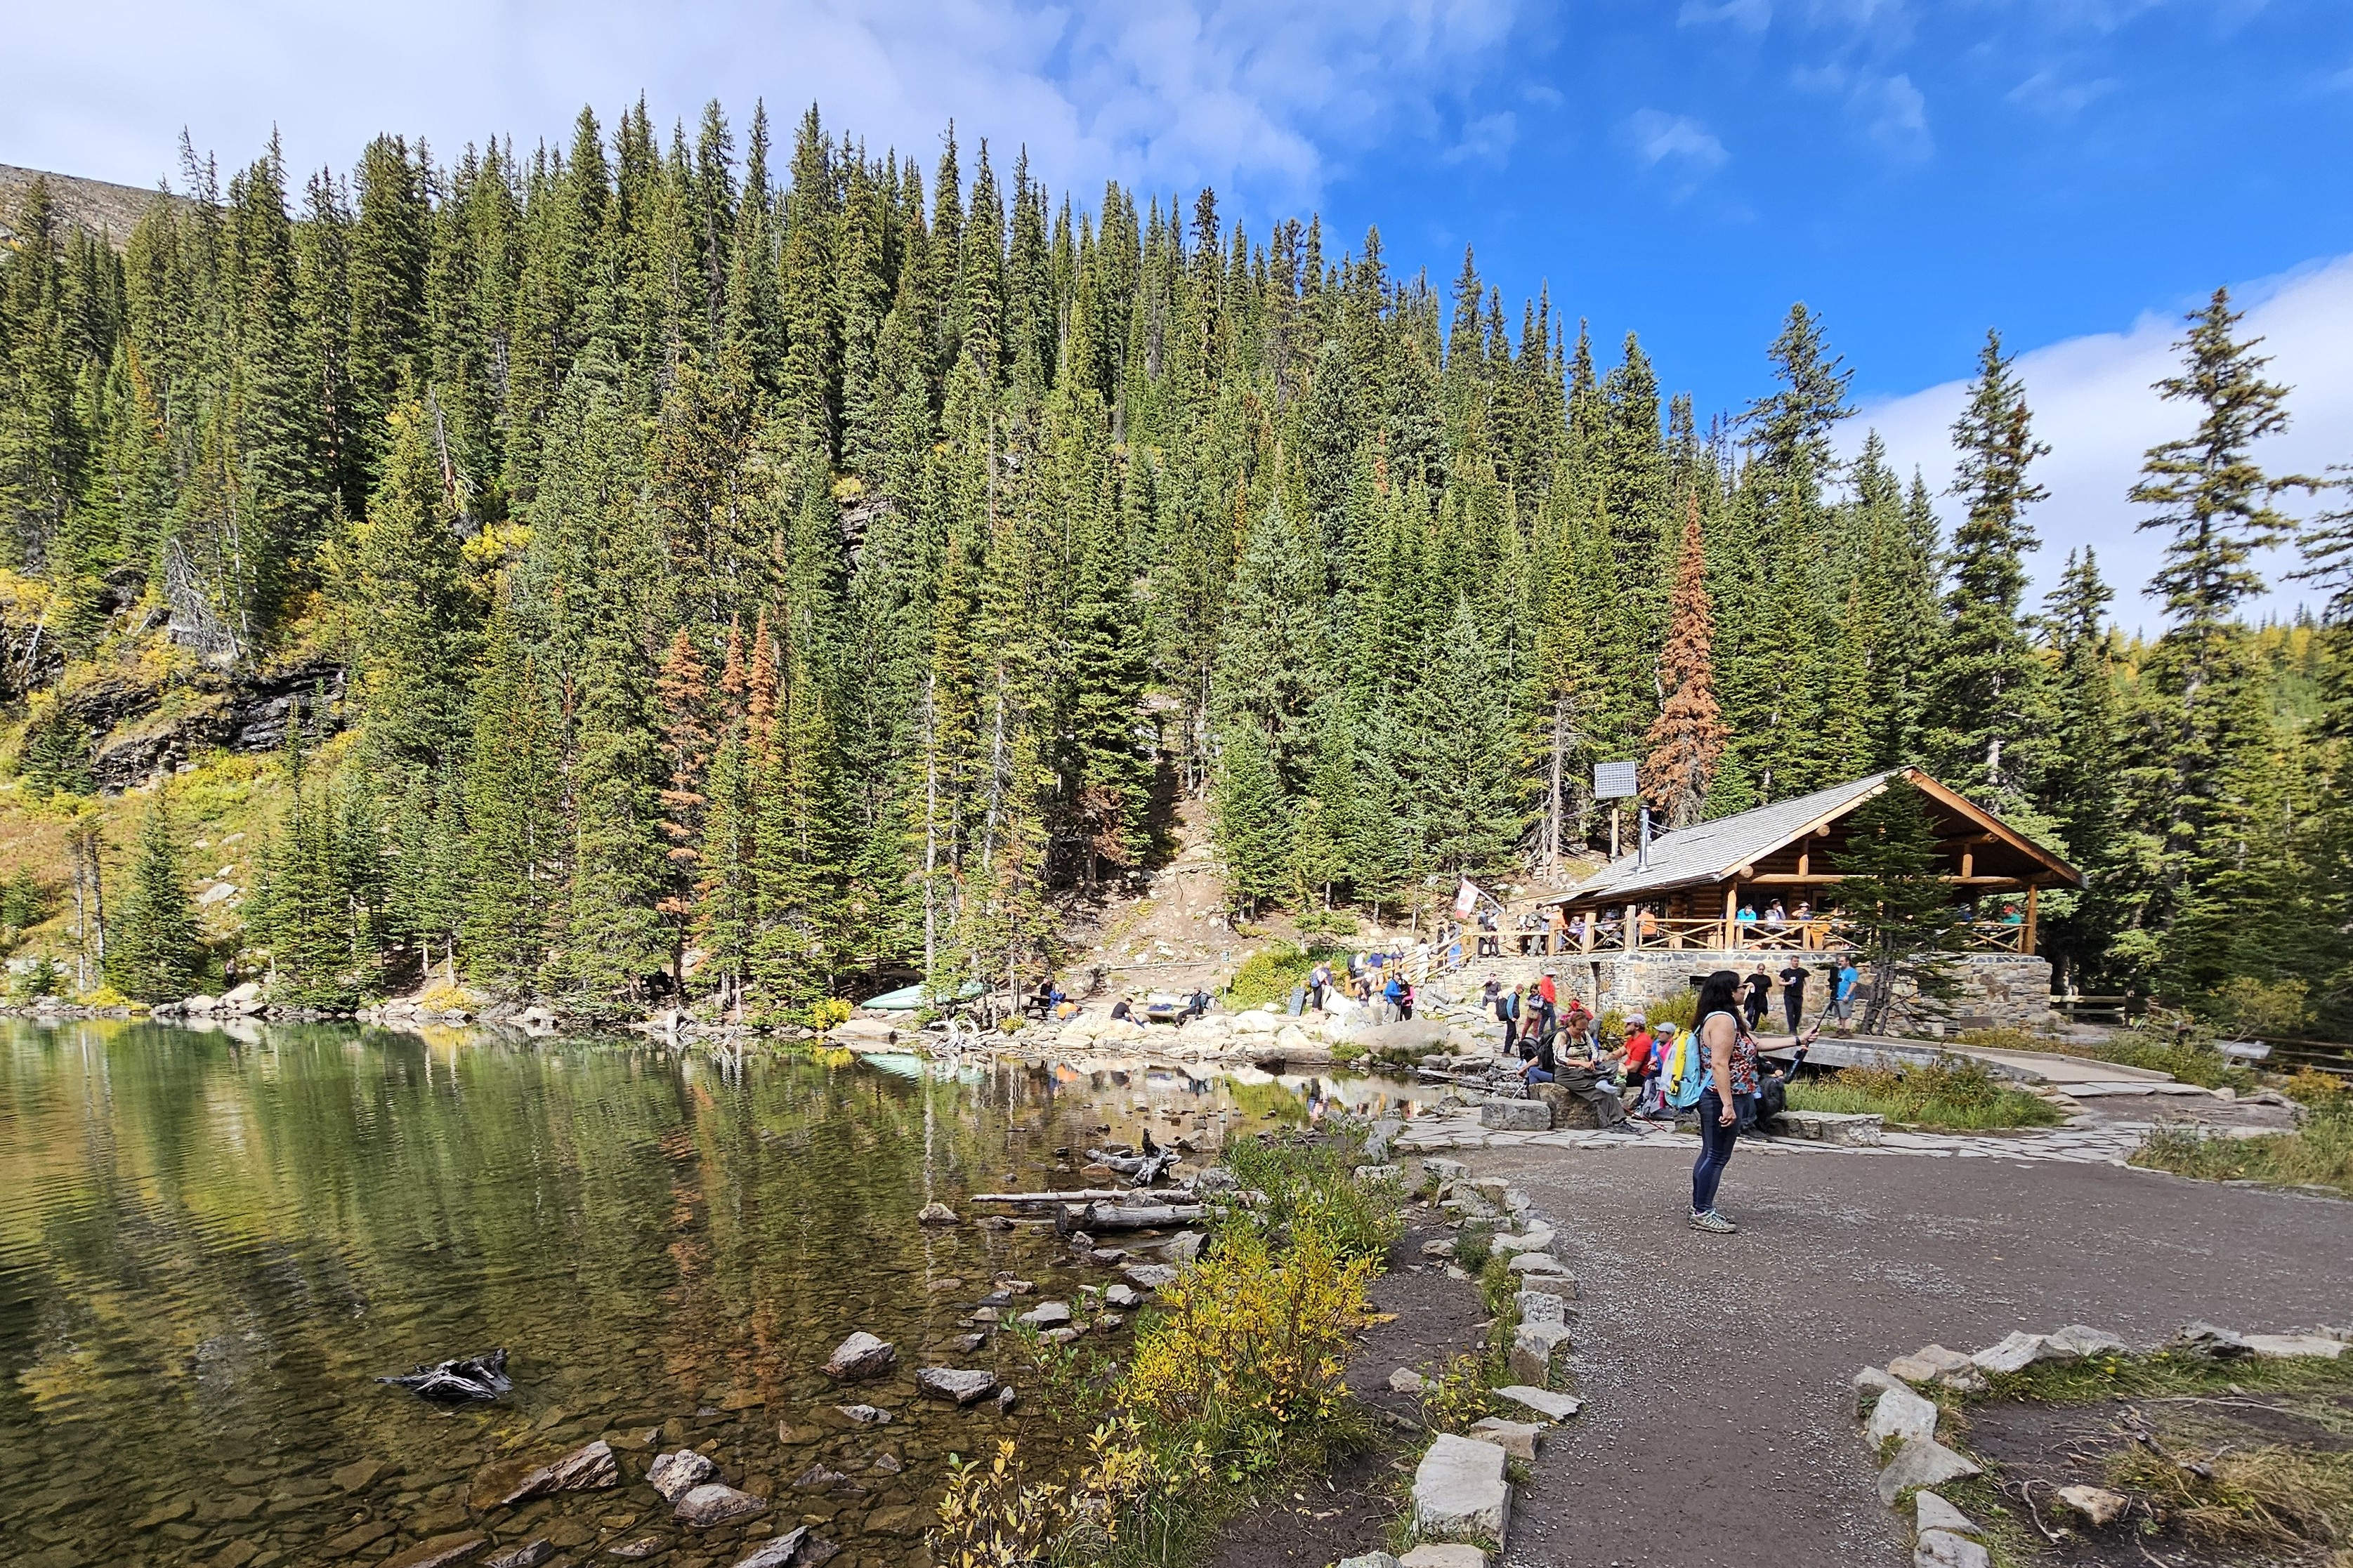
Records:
x=1628, y=938
x=2026, y=938
x=1731, y=913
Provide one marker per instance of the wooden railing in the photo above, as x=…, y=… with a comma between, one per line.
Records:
x=1821, y=934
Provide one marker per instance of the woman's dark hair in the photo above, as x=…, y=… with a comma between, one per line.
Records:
x=1719, y=992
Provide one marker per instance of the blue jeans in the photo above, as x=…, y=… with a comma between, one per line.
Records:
x=1539, y=1075
x=1716, y=1142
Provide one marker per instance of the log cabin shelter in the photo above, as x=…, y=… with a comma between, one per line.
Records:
x=1716, y=885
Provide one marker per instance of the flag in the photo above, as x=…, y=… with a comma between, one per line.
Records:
x=1466, y=898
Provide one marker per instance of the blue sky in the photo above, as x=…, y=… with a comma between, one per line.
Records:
x=2074, y=171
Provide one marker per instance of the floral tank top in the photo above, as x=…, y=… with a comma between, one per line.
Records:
x=1744, y=1078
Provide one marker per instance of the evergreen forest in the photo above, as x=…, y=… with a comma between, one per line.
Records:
x=764, y=570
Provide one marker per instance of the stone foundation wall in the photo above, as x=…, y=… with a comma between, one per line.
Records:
x=1996, y=989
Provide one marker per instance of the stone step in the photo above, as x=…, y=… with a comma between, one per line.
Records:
x=1459, y=1492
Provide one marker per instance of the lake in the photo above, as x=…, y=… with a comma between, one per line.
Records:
x=213, y=1241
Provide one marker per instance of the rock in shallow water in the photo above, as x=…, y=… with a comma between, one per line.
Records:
x=963, y=1385
x=865, y=1415
x=675, y=1474
x=860, y=1356
x=778, y=1552
x=530, y=1554
x=714, y=1504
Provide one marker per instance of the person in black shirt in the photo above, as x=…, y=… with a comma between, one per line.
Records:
x=1541, y=1065
x=1793, y=994
x=1760, y=986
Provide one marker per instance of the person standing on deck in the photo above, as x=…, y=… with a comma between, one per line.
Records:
x=1793, y=994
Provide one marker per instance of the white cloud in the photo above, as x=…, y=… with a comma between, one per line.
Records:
x=1747, y=16
x=1893, y=113
x=2092, y=403
x=1677, y=141
x=2047, y=92
x=1269, y=94
x=1486, y=140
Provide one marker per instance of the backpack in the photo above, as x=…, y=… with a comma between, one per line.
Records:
x=1686, y=1075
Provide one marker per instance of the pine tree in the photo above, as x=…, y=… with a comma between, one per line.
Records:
x=2203, y=706
x=1252, y=817
x=1988, y=736
x=155, y=952
x=1896, y=903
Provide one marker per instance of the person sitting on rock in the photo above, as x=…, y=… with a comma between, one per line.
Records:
x=1122, y=1011
x=1541, y=1067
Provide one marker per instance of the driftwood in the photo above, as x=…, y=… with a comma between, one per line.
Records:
x=480, y=1376
x=1078, y=1195
x=1117, y=1217
x=1143, y=1169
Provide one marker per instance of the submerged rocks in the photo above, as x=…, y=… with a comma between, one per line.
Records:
x=964, y=1386
x=778, y=1552
x=441, y=1552
x=591, y=1467
x=1047, y=1315
x=861, y=1355
x=865, y=1415
x=936, y=1213
x=712, y=1504
x=675, y=1474
x=530, y=1554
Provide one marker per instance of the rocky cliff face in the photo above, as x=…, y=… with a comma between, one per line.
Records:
x=114, y=730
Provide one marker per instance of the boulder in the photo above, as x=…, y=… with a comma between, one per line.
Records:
x=1383, y=1134
x=1404, y=1379
x=1543, y=1401
x=2206, y=1340
x=1256, y=1022
x=1518, y=1439
x=1921, y=1462
x=1149, y=1276
x=675, y=1474
x=2075, y=1339
x=1901, y=1416
x=1869, y=1384
x=1541, y=1307
x=1545, y=1272
x=711, y=1504
x=246, y=994
x=1933, y=1513
x=2015, y=1353
x=1369, y=1560
x=964, y=1386
x=1539, y=1351
x=1516, y=1116
x=1943, y=1549
x=1927, y=1364
x=2097, y=1506
x=865, y=1415
x=1848, y=1129
x=2286, y=1347
x=861, y=1355
x=1047, y=1315
x=779, y=1551
x=935, y=1214
x=1537, y=1239
x=1459, y=1492
x=1445, y=1170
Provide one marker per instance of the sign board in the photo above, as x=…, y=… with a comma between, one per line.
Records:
x=1614, y=781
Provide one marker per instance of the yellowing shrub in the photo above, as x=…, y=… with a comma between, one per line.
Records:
x=1249, y=1343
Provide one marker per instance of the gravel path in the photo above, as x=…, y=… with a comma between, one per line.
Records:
x=1718, y=1428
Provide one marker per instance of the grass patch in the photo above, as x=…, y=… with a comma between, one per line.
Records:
x=1951, y=1093
x=2168, y=1044
x=1310, y=1185
x=1459, y=1395
x=2213, y=1454
x=2318, y=1154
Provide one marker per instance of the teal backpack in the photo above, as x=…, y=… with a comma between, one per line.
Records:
x=1687, y=1070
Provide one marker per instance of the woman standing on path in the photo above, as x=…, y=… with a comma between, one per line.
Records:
x=1727, y=1099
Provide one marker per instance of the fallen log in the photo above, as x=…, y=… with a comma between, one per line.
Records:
x=1076, y=1195
x=1117, y=1217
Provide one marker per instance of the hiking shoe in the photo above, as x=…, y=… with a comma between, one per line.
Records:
x=1713, y=1223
